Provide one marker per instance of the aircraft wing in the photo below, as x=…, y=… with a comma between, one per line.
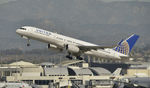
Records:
x=88, y=48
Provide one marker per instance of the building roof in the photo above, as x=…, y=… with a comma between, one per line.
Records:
x=100, y=71
x=47, y=63
x=83, y=71
x=55, y=71
x=22, y=63
x=70, y=62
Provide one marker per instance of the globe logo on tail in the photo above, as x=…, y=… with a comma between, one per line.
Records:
x=123, y=48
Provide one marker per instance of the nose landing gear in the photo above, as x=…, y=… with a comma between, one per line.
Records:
x=28, y=44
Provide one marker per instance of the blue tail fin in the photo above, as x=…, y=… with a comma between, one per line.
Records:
x=125, y=46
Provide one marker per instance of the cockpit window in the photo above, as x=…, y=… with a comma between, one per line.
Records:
x=23, y=28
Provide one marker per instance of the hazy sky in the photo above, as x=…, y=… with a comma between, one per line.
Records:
x=6, y=1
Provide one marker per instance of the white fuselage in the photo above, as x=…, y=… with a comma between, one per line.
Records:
x=59, y=41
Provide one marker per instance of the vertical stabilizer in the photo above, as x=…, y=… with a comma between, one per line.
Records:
x=125, y=46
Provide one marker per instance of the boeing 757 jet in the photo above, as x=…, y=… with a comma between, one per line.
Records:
x=77, y=48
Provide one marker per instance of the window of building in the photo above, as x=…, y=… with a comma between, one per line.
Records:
x=42, y=82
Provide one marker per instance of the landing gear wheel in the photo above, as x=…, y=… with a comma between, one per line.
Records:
x=69, y=57
x=79, y=58
x=28, y=44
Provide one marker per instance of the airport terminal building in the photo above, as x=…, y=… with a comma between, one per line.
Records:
x=48, y=74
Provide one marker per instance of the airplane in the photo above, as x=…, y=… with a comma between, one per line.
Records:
x=140, y=82
x=129, y=82
x=76, y=48
x=132, y=82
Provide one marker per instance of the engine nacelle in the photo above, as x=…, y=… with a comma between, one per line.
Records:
x=73, y=49
x=51, y=46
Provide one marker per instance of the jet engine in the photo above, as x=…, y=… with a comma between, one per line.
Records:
x=51, y=46
x=72, y=48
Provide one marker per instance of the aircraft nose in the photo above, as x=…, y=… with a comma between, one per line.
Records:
x=18, y=31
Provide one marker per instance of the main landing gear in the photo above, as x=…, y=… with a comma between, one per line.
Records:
x=70, y=57
x=79, y=58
